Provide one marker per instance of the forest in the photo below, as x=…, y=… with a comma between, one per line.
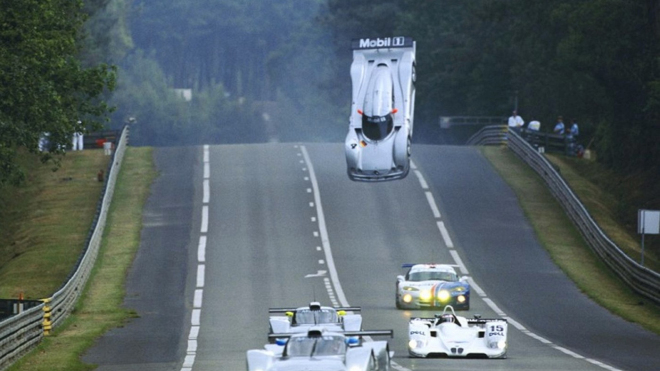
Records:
x=260, y=71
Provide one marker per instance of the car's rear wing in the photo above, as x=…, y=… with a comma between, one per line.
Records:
x=284, y=310
x=363, y=333
x=410, y=265
x=472, y=321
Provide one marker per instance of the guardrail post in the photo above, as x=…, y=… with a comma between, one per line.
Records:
x=46, y=324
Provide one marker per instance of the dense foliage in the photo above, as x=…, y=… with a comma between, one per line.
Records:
x=43, y=86
x=597, y=61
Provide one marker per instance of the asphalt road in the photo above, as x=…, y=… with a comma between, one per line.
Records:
x=218, y=254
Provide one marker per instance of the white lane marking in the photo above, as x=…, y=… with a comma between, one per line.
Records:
x=206, y=155
x=481, y=292
x=413, y=165
x=494, y=307
x=316, y=234
x=311, y=204
x=188, y=362
x=197, y=302
x=321, y=261
x=539, y=338
x=206, y=191
x=476, y=287
x=309, y=190
x=458, y=261
x=201, y=249
x=313, y=219
x=566, y=351
x=318, y=248
x=421, y=179
x=194, y=333
x=328, y=251
x=445, y=235
x=196, y=315
x=200, y=275
x=192, y=346
x=205, y=219
x=515, y=323
x=207, y=170
x=434, y=207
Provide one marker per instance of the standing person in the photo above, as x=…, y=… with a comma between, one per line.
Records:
x=571, y=137
x=78, y=140
x=559, y=127
x=516, y=122
x=574, y=131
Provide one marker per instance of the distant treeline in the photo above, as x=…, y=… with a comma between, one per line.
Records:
x=597, y=61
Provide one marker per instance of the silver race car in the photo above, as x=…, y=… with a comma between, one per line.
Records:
x=301, y=319
x=381, y=122
x=431, y=285
x=449, y=335
x=321, y=350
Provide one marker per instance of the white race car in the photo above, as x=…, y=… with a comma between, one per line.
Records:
x=302, y=319
x=449, y=335
x=381, y=123
x=322, y=350
x=431, y=285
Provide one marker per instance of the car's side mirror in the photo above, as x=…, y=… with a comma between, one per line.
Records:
x=400, y=278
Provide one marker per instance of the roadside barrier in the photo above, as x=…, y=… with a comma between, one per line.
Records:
x=22, y=332
x=641, y=279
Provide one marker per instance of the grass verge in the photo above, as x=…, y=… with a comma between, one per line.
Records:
x=43, y=224
x=565, y=244
x=100, y=307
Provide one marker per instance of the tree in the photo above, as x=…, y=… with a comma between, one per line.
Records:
x=43, y=87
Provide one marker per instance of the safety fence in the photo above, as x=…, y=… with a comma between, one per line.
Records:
x=22, y=332
x=641, y=279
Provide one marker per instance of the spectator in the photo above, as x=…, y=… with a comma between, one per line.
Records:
x=534, y=125
x=515, y=122
x=572, y=148
x=77, y=141
x=559, y=127
x=574, y=130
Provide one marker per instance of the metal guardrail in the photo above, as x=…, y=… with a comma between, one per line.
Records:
x=641, y=279
x=22, y=332
x=446, y=122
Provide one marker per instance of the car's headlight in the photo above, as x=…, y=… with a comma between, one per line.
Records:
x=443, y=295
x=407, y=298
x=425, y=295
x=460, y=299
x=501, y=344
x=414, y=344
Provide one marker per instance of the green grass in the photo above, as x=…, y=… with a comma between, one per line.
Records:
x=564, y=242
x=100, y=307
x=43, y=224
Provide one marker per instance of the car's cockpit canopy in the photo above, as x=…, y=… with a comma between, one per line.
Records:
x=316, y=346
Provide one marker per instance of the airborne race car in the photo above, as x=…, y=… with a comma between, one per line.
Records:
x=302, y=319
x=319, y=349
x=431, y=285
x=449, y=335
x=383, y=103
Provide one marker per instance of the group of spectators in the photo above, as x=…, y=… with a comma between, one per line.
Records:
x=517, y=124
